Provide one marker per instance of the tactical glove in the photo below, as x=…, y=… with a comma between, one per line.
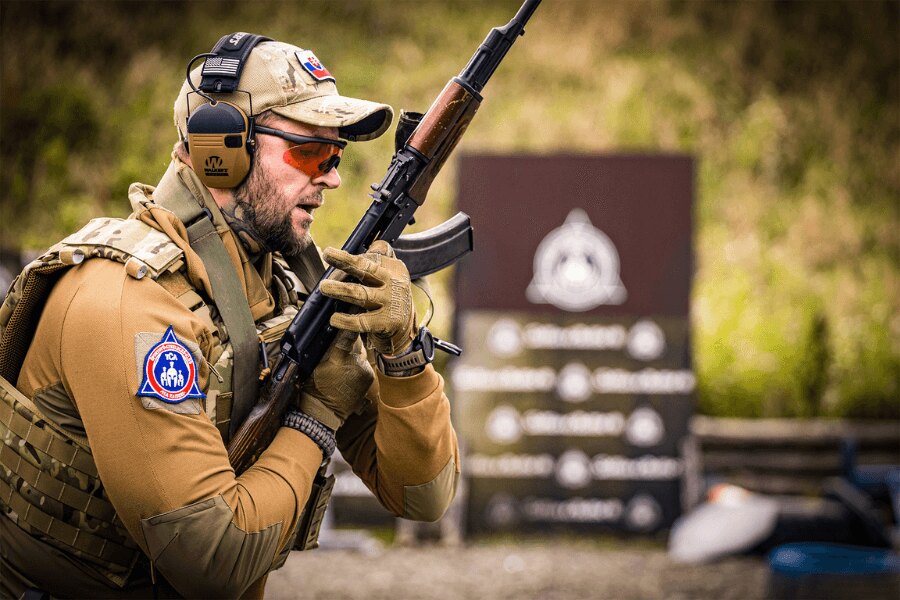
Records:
x=383, y=292
x=338, y=385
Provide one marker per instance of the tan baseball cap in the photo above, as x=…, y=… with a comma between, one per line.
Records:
x=292, y=83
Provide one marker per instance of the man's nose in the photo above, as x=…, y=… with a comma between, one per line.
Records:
x=331, y=179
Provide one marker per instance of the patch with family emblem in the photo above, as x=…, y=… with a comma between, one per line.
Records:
x=309, y=62
x=170, y=373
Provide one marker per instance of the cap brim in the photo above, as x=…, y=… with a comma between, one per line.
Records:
x=357, y=120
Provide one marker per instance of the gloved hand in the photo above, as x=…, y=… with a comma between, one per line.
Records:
x=338, y=385
x=383, y=291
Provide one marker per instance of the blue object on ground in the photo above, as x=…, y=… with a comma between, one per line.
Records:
x=834, y=559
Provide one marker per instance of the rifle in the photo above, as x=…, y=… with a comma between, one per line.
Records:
x=424, y=143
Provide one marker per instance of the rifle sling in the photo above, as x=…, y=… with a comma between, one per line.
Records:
x=235, y=311
x=228, y=294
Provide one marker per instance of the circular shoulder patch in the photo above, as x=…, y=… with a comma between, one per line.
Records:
x=170, y=373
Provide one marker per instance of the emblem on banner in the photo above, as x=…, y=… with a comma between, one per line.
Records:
x=646, y=341
x=645, y=428
x=643, y=513
x=573, y=469
x=573, y=384
x=170, y=373
x=576, y=267
x=505, y=338
x=503, y=425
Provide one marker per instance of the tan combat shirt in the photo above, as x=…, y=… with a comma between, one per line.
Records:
x=218, y=534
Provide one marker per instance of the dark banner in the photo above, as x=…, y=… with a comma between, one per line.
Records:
x=603, y=235
x=575, y=387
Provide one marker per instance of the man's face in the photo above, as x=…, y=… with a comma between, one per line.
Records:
x=275, y=204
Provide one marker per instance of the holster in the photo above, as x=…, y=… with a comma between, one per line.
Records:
x=314, y=511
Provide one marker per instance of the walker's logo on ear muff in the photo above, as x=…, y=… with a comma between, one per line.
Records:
x=213, y=167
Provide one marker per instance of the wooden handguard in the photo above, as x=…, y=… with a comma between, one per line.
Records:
x=439, y=132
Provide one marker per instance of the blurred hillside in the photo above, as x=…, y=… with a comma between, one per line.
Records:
x=791, y=108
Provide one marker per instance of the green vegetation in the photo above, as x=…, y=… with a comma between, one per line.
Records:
x=791, y=108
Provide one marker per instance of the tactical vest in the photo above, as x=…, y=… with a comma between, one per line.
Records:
x=49, y=484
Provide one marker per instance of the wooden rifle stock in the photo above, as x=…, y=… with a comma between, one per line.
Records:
x=259, y=428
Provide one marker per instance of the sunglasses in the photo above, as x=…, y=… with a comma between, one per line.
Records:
x=315, y=156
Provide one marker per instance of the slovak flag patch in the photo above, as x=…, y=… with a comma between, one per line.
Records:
x=312, y=65
x=170, y=373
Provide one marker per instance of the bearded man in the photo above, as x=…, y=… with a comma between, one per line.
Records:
x=133, y=349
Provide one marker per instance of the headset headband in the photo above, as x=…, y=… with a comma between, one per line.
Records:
x=222, y=72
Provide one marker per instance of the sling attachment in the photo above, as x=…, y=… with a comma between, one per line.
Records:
x=228, y=294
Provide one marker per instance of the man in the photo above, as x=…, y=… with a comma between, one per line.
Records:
x=115, y=478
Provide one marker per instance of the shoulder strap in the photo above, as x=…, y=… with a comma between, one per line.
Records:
x=229, y=295
x=307, y=266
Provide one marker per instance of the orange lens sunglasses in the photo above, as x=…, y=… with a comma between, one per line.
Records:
x=315, y=156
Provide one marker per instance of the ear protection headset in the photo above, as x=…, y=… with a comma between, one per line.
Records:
x=220, y=136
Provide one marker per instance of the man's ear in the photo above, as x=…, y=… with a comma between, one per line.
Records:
x=181, y=151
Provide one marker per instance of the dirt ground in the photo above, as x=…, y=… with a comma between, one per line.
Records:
x=556, y=570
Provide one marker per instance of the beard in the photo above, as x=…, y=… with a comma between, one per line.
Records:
x=259, y=219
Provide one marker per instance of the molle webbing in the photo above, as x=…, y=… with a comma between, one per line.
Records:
x=93, y=546
x=35, y=460
x=45, y=441
x=228, y=294
x=53, y=488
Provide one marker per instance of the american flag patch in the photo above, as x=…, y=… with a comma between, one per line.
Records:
x=221, y=66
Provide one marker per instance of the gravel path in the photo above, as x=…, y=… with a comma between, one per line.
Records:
x=559, y=570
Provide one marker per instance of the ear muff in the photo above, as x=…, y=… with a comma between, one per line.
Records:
x=219, y=140
x=219, y=134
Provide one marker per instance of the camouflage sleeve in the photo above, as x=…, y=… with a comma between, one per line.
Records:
x=404, y=447
x=164, y=466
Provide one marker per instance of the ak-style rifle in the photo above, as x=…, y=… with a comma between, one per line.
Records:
x=424, y=142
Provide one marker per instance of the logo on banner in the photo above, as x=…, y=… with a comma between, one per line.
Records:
x=573, y=469
x=643, y=513
x=576, y=267
x=644, y=428
x=573, y=384
x=170, y=373
x=646, y=341
x=502, y=511
x=503, y=425
x=505, y=338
